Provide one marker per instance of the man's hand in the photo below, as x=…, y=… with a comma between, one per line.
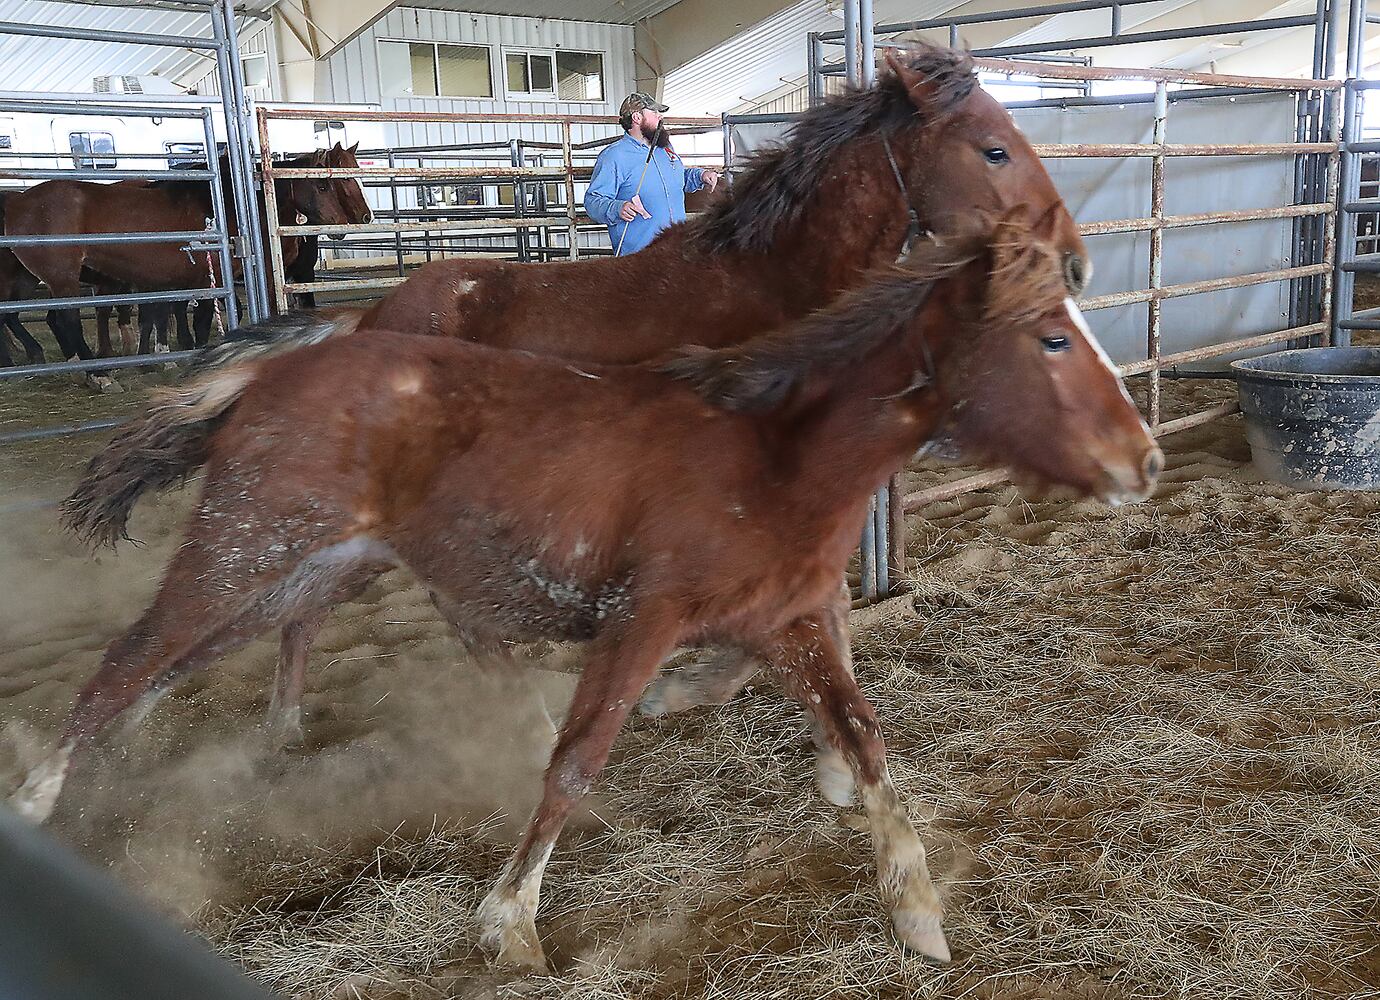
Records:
x=632, y=209
x=710, y=179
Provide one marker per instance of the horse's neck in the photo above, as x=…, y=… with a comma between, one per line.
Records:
x=860, y=427
x=855, y=221
x=282, y=194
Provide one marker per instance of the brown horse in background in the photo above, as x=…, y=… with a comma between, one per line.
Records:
x=800, y=225
x=63, y=206
x=731, y=488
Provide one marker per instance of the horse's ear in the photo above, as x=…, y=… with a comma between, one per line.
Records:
x=352, y=149
x=337, y=148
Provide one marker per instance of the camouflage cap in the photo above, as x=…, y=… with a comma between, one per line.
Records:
x=638, y=101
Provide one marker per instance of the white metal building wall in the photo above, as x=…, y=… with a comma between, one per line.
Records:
x=255, y=39
x=351, y=74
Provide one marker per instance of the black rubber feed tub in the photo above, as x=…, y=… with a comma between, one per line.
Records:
x=1313, y=416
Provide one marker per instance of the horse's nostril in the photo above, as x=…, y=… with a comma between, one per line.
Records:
x=1154, y=464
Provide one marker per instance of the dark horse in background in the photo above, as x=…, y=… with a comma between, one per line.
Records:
x=63, y=206
x=731, y=488
x=800, y=225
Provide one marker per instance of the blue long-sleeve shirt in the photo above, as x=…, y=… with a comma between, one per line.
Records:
x=663, y=192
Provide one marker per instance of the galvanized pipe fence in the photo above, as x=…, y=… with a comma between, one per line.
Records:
x=215, y=242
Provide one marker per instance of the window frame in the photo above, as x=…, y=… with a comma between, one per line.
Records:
x=267, y=72
x=93, y=160
x=603, y=78
x=436, y=70
x=533, y=96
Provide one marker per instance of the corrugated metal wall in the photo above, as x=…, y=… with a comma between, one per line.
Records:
x=351, y=75
x=254, y=39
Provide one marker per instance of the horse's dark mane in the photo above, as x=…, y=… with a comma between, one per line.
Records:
x=1024, y=283
x=772, y=192
x=760, y=374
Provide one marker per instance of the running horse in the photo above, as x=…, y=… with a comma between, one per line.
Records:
x=732, y=485
x=858, y=179
x=63, y=206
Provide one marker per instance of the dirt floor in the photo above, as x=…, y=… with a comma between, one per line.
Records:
x=1142, y=746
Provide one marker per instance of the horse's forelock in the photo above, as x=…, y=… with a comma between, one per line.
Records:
x=1027, y=280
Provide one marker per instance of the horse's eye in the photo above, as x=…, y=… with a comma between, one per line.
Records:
x=322, y=184
x=997, y=155
x=1056, y=343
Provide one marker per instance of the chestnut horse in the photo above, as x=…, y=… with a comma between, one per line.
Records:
x=714, y=497
x=799, y=226
x=62, y=206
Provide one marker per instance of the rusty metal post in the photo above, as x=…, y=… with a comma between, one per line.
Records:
x=568, y=162
x=1156, y=249
x=271, y=220
x=393, y=200
x=896, y=508
x=1332, y=221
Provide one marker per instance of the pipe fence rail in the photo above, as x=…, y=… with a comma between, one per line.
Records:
x=541, y=175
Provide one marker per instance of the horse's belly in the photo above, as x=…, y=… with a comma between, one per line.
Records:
x=154, y=268
x=490, y=585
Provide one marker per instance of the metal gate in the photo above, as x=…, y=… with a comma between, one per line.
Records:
x=219, y=43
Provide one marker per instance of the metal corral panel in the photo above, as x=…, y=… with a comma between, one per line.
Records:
x=1103, y=189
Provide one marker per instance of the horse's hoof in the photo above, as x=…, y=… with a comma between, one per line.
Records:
x=103, y=384
x=285, y=730
x=921, y=931
x=508, y=932
x=660, y=698
x=34, y=800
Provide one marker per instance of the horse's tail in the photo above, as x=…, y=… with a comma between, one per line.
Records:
x=155, y=450
x=275, y=336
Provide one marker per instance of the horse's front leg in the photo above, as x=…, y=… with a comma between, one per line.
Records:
x=619, y=665
x=811, y=657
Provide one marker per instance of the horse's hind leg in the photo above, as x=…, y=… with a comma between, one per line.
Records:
x=123, y=317
x=148, y=318
x=184, y=335
x=66, y=327
x=203, y=313
x=284, y=722
x=207, y=606
x=814, y=667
